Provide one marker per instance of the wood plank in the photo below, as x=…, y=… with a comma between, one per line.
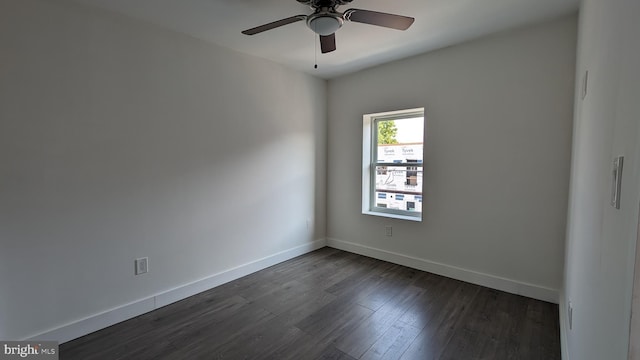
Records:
x=330, y=304
x=441, y=321
x=477, y=337
x=393, y=343
x=357, y=342
x=331, y=353
x=334, y=320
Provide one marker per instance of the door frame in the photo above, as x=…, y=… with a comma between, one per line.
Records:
x=634, y=323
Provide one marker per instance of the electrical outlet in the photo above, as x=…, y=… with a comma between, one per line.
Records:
x=142, y=265
x=388, y=231
x=570, y=314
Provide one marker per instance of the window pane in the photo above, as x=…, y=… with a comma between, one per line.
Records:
x=401, y=179
x=399, y=141
x=398, y=201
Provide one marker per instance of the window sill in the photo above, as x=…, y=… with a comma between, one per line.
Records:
x=393, y=216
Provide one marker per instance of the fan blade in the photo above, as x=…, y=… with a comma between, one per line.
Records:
x=393, y=21
x=275, y=24
x=327, y=43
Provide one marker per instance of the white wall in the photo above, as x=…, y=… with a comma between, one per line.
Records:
x=600, y=239
x=498, y=139
x=121, y=140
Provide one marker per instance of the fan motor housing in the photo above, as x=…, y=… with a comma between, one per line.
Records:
x=324, y=23
x=324, y=3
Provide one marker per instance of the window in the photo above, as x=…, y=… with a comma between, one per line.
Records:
x=392, y=164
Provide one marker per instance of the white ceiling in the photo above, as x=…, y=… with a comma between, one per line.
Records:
x=439, y=23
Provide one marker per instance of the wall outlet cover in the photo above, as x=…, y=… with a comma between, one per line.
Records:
x=142, y=265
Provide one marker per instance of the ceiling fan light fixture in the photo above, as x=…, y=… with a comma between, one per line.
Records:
x=324, y=24
x=326, y=20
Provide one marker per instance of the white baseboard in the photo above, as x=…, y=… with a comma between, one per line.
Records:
x=474, y=277
x=113, y=316
x=564, y=348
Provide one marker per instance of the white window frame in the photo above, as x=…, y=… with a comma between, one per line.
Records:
x=369, y=153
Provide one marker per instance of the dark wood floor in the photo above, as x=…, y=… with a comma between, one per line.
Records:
x=331, y=304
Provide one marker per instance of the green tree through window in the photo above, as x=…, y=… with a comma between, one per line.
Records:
x=387, y=132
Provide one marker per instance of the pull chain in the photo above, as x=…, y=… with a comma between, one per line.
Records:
x=315, y=52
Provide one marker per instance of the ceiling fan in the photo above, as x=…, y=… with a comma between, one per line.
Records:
x=326, y=20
